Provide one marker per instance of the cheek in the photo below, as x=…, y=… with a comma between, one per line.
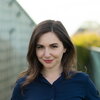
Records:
x=39, y=54
x=58, y=53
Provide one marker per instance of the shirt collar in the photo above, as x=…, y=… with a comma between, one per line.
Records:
x=42, y=79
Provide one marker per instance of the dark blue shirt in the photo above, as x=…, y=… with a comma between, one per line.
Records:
x=79, y=87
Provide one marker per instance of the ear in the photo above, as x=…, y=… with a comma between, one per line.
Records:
x=64, y=50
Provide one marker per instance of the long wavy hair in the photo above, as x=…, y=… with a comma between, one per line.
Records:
x=68, y=61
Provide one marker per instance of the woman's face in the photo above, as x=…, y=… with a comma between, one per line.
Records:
x=49, y=50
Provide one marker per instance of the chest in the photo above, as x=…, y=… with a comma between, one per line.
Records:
x=64, y=91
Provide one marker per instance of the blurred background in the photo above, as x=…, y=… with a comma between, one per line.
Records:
x=18, y=19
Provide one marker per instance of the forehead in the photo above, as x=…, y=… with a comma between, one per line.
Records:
x=48, y=37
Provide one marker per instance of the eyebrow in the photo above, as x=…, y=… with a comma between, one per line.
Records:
x=49, y=44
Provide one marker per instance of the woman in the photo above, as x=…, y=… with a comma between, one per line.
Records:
x=52, y=73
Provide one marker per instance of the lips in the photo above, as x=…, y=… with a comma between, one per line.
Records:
x=48, y=61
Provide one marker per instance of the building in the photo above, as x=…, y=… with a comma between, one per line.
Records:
x=15, y=30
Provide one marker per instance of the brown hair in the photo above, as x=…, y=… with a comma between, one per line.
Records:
x=68, y=60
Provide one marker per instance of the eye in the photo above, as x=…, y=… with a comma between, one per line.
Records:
x=54, y=46
x=39, y=47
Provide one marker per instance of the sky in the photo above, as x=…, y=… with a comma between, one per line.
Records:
x=72, y=13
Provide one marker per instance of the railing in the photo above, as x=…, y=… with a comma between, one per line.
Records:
x=95, y=65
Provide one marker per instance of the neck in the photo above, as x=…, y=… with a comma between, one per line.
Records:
x=52, y=74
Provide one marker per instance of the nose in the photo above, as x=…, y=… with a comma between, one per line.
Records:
x=46, y=53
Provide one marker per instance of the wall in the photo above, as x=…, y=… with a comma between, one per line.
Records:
x=15, y=30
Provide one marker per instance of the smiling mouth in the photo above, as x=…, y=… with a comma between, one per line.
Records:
x=48, y=61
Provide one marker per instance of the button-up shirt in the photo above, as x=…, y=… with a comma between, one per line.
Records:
x=79, y=87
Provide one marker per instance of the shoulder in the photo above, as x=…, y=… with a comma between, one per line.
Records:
x=18, y=83
x=81, y=76
x=21, y=80
x=17, y=92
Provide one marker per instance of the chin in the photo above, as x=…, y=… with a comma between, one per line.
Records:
x=48, y=66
